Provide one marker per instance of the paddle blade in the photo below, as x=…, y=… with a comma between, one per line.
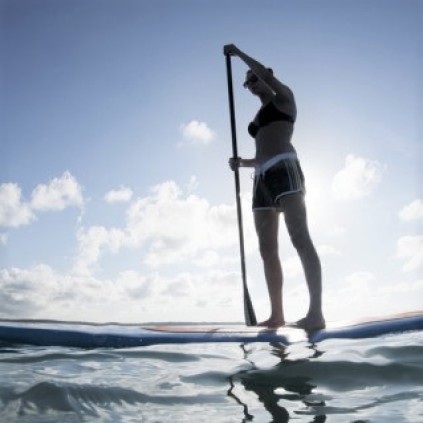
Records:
x=250, y=315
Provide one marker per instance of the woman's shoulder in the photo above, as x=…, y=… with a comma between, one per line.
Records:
x=285, y=104
x=281, y=99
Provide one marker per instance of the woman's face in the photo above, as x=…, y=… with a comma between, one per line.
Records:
x=250, y=79
x=254, y=84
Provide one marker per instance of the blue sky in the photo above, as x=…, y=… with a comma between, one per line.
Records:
x=116, y=201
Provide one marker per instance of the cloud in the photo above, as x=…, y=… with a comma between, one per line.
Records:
x=360, y=279
x=41, y=292
x=27, y=290
x=179, y=226
x=357, y=289
x=196, y=132
x=337, y=231
x=328, y=250
x=169, y=224
x=362, y=295
x=121, y=195
x=3, y=239
x=410, y=287
x=358, y=178
x=13, y=211
x=92, y=242
x=412, y=211
x=410, y=248
x=192, y=184
x=292, y=267
x=58, y=194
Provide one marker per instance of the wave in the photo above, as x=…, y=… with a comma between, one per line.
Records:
x=223, y=383
x=84, y=399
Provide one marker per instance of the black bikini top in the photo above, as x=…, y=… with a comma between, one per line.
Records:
x=268, y=114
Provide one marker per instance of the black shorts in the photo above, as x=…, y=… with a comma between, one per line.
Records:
x=280, y=176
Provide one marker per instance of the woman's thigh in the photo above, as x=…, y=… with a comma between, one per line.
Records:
x=267, y=228
x=295, y=215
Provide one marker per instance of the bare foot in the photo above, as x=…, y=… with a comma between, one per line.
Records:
x=272, y=323
x=310, y=324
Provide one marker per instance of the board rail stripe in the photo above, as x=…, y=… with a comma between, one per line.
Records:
x=82, y=335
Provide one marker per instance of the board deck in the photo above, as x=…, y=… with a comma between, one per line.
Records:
x=86, y=335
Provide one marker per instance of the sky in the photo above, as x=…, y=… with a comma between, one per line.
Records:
x=116, y=199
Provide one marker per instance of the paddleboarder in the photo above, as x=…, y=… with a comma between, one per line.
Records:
x=278, y=189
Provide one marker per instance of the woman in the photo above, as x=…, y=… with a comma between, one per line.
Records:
x=278, y=187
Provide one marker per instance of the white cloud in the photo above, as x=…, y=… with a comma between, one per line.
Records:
x=358, y=178
x=192, y=184
x=196, y=132
x=170, y=225
x=13, y=211
x=412, y=211
x=122, y=195
x=3, y=239
x=348, y=299
x=410, y=288
x=337, y=231
x=292, y=267
x=177, y=226
x=41, y=292
x=26, y=290
x=360, y=280
x=361, y=296
x=328, y=250
x=348, y=296
x=58, y=194
x=210, y=258
x=93, y=242
x=410, y=248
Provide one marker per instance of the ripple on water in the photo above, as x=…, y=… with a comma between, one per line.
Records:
x=376, y=380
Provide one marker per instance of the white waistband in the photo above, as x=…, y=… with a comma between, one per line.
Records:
x=276, y=159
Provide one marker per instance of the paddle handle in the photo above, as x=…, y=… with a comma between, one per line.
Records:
x=250, y=317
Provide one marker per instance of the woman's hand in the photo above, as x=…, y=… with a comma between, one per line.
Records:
x=231, y=50
x=235, y=163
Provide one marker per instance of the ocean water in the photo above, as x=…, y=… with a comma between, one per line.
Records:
x=336, y=381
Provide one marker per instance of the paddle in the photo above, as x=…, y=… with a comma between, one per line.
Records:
x=250, y=317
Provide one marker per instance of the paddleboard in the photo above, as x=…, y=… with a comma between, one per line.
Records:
x=89, y=335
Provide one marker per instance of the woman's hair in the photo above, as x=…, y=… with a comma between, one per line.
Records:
x=269, y=69
x=250, y=76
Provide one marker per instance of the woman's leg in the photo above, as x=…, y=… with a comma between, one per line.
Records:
x=295, y=214
x=267, y=227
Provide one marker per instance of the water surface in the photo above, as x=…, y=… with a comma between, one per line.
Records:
x=345, y=381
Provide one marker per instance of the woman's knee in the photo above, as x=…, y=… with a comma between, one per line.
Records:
x=268, y=249
x=296, y=223
x=300, y=240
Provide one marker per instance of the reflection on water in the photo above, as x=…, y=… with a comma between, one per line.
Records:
x=271, y=386
x=351, y=381
x=359, y=381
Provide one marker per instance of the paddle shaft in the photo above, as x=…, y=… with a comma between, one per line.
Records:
x=250, y=317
